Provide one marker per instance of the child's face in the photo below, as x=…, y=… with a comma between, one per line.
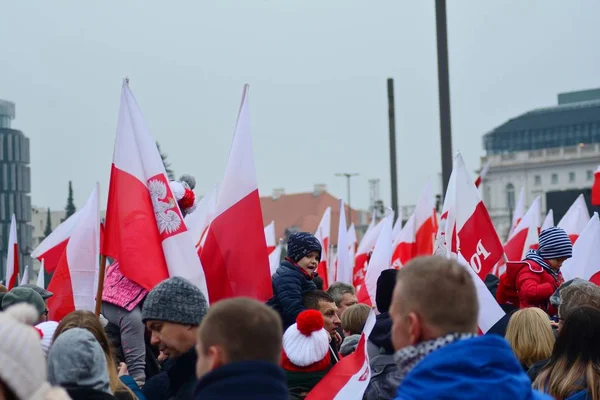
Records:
x=310, y=262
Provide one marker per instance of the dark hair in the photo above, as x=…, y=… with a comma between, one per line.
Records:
x=319, y=282
x=311, y=299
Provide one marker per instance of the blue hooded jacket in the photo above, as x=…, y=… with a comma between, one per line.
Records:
x=483, y=367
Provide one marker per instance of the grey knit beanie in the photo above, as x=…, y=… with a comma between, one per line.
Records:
x=175, y=300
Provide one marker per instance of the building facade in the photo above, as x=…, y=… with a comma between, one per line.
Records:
x=15, y=186
x=545, y=151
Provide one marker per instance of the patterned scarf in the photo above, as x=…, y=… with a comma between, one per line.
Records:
x=534, y=255
x=408, y=357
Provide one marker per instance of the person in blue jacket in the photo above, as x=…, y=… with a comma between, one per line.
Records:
x=295, y=275
x=434, y=332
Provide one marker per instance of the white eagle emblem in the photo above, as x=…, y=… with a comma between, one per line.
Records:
x=165, y=208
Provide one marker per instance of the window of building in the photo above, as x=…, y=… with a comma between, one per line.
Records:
x=571, y=176
x=537, y=180
x=510, y=196
x=589, y=174
x=554, y=179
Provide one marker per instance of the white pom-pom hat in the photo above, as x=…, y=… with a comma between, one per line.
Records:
x=306, y=344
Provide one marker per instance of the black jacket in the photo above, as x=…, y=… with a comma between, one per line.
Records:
x=176, y=382
x=289, y=285
x=80, y=393
x=247, y=380
x=381, y=335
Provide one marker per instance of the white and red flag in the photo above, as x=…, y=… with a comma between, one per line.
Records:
x=575, y=219
x=381, y=259
x=343, y=268
x=52, y=247
x=404, y=244
x=235, y=240
x=199, y=221
x=144, y=228
x=349, y=378
x=12, y=256
x=585, y=262
x=353, y=242
x=518, y=212
x=596, y=188
x=445, y=240
x=548, y=221
x=275, y=258
x=270, y=237
x=367, y=244
x=41, y=282
x=25, y=277
x=323, y=233
x=483, y=173
x=75, y=279
x=425, y=223
x=525, y=235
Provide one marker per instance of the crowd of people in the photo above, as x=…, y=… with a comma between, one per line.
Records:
x=168, y=343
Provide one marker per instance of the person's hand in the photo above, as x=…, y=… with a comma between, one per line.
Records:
x=338, y=338
x=123, y=371
x=162, y=357
x=554, y=324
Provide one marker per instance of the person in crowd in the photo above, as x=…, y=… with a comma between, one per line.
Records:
x=47, y=330
x=437, y=348
x=294, y=277
x=573, y=370
x=531, y=282
x=324, y=303
x=577, y=294
x=318, y=282
x=385, y=375
x=77, y=363
x=23, y=371
x=530, y=335
x=122, y=301
x=344, y=296
x=238, y=352
x=172, y=312
x=306, y=357
x=41, y=291
x=29, y=296
x=353, y=322
x=121, y=388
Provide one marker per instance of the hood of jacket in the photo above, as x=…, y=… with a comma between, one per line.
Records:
x=349, y=344
x=469, y=369
x=381, y=335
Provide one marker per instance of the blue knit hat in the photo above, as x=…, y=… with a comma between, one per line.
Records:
x=554, y=244
x=300, y=244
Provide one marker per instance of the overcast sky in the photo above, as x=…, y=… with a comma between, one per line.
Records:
x=317, y=72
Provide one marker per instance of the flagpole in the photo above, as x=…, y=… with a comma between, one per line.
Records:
x=100, y=283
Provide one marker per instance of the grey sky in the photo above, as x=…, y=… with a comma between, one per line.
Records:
x=317, y=72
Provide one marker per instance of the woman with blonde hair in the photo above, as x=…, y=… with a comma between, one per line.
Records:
x=530, y=336
x=89, y=321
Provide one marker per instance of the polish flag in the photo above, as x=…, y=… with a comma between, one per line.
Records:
x=52, y=248
x=525, y=236
x=236, y=238
x=476, y=236
x=445, y=240
x=575, y=219
x=323, y=233
x=199, y=221
x=25, y=277
x=343, y=264
x=425, y=223
x=397, y=227
x=548, y=221
x=275, y=258
x=144, y=228
x=270, y=237
x=75, y=280
x=12, y=257
x=381, y=259
x=518, y=212
x=349, y=378
x=490, y=311
x=404, y=245
x=586, y=253
x=362, y=254
x=352, y=242
x=483, y=173
x=596, y=188
x=40, y=279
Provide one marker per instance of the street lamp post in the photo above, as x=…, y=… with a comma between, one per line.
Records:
x=348, y=176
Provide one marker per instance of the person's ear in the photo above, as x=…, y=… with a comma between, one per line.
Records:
x=216, y=357
x=415, y=328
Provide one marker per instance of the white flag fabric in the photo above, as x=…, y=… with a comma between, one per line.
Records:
x=586, y=252
x=25, y=277
x=549, y=221
x=344, y=267
x=40, y=279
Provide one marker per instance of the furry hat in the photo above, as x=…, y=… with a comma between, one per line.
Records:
x=306, y=344
x=183, y=192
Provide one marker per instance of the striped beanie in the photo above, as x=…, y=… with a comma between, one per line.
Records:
x=554, y=244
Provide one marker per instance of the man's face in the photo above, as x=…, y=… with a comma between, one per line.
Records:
x=402, y=335
x=329, y=312
x=310, y=262
x=348, y=299
x=172, y=339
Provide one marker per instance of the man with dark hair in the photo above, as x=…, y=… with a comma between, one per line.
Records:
x=344, y=296
x=434, y=312
x=239, y=350
x=324, y=303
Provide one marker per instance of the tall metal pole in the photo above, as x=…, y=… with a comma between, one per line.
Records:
x=392, y=126
x=444, y=92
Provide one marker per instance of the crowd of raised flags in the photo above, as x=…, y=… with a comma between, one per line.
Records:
x=223, y=248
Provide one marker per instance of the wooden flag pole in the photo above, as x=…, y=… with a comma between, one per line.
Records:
x=100, y=283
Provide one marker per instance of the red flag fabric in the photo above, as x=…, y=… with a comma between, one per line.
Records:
x=52, y=248
x=12, y=257
x=596, y=188
x=362, y=254
x=323, y=233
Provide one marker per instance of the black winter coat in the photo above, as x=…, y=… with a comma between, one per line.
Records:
x=289, y=285
x=176, y=382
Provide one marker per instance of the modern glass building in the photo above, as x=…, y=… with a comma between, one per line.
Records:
x=15, y=185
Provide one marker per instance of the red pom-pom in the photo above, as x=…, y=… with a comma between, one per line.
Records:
x=187, y=200
x=309, y=321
